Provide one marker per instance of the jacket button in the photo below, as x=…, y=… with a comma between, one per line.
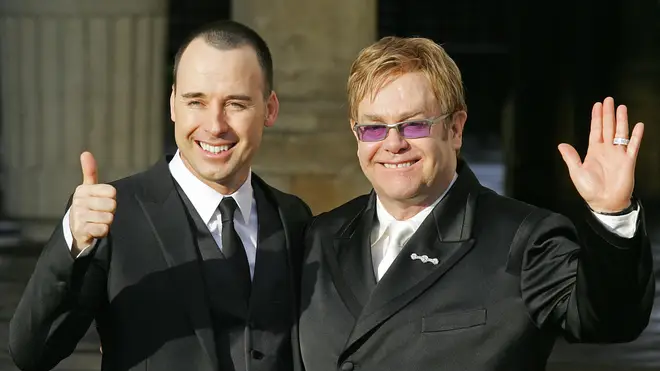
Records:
x=256, y=354
x=347, y=366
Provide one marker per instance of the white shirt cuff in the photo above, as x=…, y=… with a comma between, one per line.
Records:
x=68, y=236
x=622, y=225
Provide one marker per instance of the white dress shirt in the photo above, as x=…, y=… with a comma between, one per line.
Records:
x=385, y=222
x=206, y=200
x=622, y=225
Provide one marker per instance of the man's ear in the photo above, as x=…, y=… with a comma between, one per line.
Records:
x=172, y=97
x=350, y=124
x=272, y=109
x=456, y=129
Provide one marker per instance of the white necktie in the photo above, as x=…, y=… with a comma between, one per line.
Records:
x=398, y=234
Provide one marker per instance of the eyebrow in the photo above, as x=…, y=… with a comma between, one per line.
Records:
x=246, y=98
x=403, y=117
x=193, y=95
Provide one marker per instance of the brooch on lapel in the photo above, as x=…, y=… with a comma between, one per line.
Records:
x=424, y=258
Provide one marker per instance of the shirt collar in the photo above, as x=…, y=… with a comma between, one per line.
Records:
x=206, y=199
x=384, y=218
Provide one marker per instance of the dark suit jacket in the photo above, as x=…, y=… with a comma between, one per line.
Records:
x=510, y=278
x=142, y=284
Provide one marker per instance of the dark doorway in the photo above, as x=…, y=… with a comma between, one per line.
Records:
x=476, y=34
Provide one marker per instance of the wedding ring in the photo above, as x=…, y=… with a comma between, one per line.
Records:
x=621, y=141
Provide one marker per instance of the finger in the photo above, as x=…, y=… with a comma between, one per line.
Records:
x=608, y=120
x=570, y=156
x=97, y=230
x=88, y=164
x=95, y=190
x=635, y=140
x=104, y=204
x=596, y=135
x=622, y=122
x=95, y=217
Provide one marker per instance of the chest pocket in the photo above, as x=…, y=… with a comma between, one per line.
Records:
x=454, y=321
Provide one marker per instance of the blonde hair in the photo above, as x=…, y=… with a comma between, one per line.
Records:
x=391, y=57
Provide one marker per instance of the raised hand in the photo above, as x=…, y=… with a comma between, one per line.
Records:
x=606, y=177
x=92, y=208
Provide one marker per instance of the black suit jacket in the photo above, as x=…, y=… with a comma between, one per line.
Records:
x=510, y=278
x=143, y=285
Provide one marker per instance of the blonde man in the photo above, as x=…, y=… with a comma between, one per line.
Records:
x=432, y=271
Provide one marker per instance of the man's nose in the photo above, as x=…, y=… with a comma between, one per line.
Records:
x=395, y=142
x=219, y=124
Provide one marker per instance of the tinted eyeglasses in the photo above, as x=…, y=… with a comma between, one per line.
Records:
x=410, y=129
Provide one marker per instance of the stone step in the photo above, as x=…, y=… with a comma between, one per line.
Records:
x=10, y=233
x=85, y=357
x=16, y=266
x=79, y=361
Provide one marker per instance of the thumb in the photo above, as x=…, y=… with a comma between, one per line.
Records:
x=570, y=156
x=88, y=164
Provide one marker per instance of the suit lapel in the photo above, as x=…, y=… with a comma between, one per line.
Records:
x=165, y=212
x=271, y=248
x=444, y=236
x=350, y=260
x=290, y=227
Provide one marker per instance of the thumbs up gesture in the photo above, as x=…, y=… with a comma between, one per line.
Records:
x=92, y=208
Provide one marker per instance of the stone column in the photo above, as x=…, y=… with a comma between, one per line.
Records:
x=310, y=151
x=76, y=75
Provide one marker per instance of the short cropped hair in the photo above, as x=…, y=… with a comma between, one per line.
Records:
x=391, y=57
x=228, y=34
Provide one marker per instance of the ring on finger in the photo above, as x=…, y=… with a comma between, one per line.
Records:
x=621, y=141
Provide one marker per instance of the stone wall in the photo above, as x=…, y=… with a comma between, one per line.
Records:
x=76, y=76
x=311, y=151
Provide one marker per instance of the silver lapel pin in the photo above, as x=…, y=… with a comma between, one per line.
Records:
x=424, y=258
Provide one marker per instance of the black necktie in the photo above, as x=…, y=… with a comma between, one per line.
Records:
x=232, y=247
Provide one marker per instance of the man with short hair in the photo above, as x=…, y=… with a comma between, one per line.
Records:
x=433, y=271
x=190, y=265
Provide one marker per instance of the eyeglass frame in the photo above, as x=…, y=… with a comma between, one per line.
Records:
x=397, y=125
